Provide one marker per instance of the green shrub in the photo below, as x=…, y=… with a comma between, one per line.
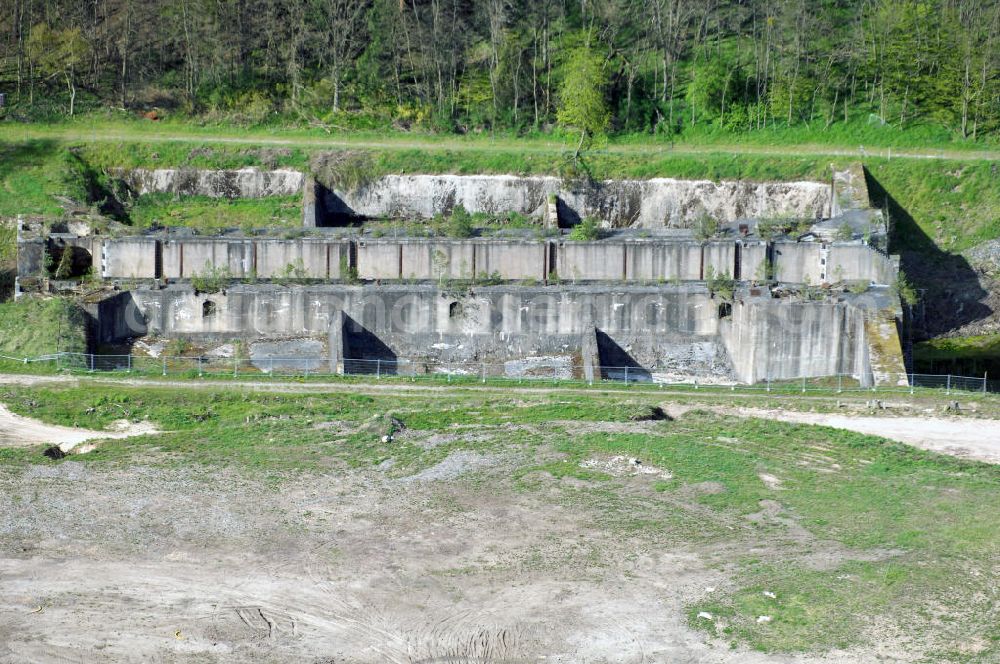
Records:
x=844, y=233
x=905, y=290
x=212, y=280
x=586, y=231
x=720, y=284
x=706, y=227
x=460, y=223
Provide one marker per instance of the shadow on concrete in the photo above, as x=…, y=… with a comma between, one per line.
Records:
x=617, y=364
x=365, y=353
x=951, y=294
x=332, y=211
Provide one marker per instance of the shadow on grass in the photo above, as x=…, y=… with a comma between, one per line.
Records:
x=951, y=294
x=25, y=154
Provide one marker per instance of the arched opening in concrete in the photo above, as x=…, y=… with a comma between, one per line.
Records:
x=70, y=262
x=208, y=309
x=725, y=310
x=455, y=310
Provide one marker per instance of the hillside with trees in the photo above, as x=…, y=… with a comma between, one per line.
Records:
x=659, y=66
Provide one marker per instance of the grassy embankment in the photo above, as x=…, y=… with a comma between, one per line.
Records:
x=860, y=540
x=34, y=327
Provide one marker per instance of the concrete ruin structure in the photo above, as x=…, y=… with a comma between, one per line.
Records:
x=656, y=296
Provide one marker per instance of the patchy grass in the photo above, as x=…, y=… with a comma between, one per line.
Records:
x=214, y=214
x=38, y=326
x=861, y=541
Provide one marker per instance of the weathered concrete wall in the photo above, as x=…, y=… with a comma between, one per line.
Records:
x=31, y=257
x=491, y=323
x=655, y=203
x=753, y=261
x=191, y=257
x=797, y=262
x=133, y=257
x=719, y=258
x=303, y=258
x=243, y=183
x=860, y=262
x=666, y=331
x=628, y=260
x=780, y=340
x=512, y=259
x=438, y=260
x=591, y=261
x=664, y=261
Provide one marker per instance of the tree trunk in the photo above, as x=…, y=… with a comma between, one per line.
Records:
x=72, y=91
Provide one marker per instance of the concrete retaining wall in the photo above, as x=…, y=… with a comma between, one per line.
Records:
x=129, y=258
x=435, y=259
x=243, y=183
x=781, y=340
x=664, y=261
x=655, y=203
x=681, y=330
x=797, y=262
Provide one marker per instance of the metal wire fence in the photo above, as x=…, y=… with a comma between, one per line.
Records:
x=545, y=370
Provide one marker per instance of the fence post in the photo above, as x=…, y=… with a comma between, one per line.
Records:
x=130, y=363
x=768, y=383
x=803, y=385
x=378, y=369
x=948, y=389
x=164, y=359
x=484, y=372
x=199, y=366
x=236, y=365
x=840, y=383
x=626, y=376
x=91, y=363
x=912, y=376
x=985, y=374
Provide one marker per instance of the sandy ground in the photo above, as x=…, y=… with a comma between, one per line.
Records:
x=100, y=562
x=969, y=438
x=18, y=431
x=176, y=564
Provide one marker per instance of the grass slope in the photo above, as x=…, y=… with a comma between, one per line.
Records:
x=34, y=326
x=864, y=543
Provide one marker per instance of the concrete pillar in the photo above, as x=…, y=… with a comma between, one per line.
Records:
x=310, y=205
x=551, y=216
x=337, y=343
x=591, y=355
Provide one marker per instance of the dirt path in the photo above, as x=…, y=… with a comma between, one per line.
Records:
x=977, y=439
x=966, y=437
x=454, y=144
x=18, y=431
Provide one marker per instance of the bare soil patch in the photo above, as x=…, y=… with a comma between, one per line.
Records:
x=18, y=431
x=965, y=437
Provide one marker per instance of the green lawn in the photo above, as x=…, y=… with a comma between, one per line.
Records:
x=857, y=530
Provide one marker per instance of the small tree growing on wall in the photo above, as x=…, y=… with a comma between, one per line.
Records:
x=720, y=284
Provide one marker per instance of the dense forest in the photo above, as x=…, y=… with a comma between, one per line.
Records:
x=599, y=66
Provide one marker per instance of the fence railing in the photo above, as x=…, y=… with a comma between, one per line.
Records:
x=545, y=370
